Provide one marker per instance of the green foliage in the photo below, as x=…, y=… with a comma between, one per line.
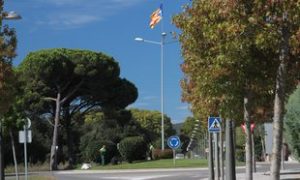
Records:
x=240, y=154
x=106, y=128
x=133, y=148
x=185, y=140
x=80, y=81
x=229, y=50
x=188, y=126
x=93, y=139
x=8, y=44
x=292, y=123
x=150, y=121
x=90, y=149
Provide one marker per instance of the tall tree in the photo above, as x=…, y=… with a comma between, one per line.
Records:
x=230, y=48
x=8, y=44
x=57, y=76
x=115, y=97
x=278, y=30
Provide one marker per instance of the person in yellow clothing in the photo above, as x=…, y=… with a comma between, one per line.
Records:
x=102, y=154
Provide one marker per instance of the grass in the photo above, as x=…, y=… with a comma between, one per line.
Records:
x=35, y=178
x=163, y=163
x=33, y=167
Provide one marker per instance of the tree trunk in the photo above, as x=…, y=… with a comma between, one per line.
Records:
x=230, y=158
x=210, y=158
x=279, y=103
x=233, y=134
x=262, y=136
x=53, y=155
x=249, y=170
x=1, y=153
x=253, y=153
x=71, y=158
x=68, y=127
x=1, y=137
x=14, y=152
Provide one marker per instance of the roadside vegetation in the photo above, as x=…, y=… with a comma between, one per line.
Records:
x=241, y=61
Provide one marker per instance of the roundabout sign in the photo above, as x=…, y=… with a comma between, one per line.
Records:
x=174, y=142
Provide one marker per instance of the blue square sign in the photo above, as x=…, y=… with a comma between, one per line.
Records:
x=214, y=124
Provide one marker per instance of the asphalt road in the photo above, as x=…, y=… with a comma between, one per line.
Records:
x=162, y=174
x=149, y=174
x=152, y=174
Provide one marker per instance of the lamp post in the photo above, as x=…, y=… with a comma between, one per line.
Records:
x=4, y=16
x=161, y=43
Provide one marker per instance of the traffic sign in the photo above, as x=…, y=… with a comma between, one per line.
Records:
x=252, y=126
x=22, y=136
x=28, y=123
x=214, y=124
x=174, y=142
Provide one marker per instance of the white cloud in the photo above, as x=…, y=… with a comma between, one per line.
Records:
x=66, y=14
x=89, y=2
x=60, y=2
x=72, y=20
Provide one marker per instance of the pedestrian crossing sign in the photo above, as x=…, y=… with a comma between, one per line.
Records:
x=214, y=124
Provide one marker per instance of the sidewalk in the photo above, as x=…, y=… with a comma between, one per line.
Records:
x=291, y=174
x=295, y=175
x=263, y=176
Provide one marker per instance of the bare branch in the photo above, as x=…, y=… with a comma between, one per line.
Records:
x=72, y=92
x=49, y=99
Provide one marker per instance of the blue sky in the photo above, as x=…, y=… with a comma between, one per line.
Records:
x=109, y=26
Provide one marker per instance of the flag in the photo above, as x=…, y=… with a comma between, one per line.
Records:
x=155, y=17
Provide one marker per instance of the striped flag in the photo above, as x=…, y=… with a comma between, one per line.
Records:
x=155, y=17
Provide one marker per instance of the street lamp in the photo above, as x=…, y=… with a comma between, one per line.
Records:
x=12, y=15
x=4, y=16
x=161, y=43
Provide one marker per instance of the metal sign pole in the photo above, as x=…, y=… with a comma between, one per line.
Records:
x=174, y=159
x=210, y=158
x=25, y=150
x=217, y=156
x=174, y=143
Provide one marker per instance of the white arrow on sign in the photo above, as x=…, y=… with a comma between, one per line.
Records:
x=28, y=123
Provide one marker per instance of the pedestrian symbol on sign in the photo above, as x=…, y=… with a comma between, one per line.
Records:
x=216, y=125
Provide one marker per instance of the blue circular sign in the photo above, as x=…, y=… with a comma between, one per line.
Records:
x=174, y=142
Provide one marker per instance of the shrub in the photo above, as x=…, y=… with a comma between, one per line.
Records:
x=240, y=155
x=90, y=150
x=133, y=148
x=159, y=154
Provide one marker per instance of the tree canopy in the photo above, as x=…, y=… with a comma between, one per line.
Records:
x=221, y=60
x=151, y=122
x=72, y=79
x=8, y=44
x=235, y=50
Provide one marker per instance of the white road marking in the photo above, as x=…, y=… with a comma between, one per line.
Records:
x=138, y=177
